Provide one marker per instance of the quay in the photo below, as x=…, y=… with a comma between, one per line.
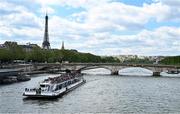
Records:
x=8, y=76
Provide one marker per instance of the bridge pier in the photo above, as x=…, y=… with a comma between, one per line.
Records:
x=156, y=74
x=114, y=72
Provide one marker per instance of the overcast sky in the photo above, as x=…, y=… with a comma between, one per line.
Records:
x=102, y=27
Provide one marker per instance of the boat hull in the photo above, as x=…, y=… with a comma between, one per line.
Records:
x=39, y=96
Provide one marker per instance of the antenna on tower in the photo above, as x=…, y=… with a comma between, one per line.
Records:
x=46, y=12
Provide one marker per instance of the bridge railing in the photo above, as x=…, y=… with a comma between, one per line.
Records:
x=109, y=64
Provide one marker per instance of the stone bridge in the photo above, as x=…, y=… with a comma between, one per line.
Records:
x=113, y=67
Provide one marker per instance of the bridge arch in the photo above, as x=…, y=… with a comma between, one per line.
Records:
x=94, y=67
x=86, y=68
x=137, y=71
x=96, y=70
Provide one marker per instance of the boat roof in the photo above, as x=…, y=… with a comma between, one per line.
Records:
x=59, y=79
x=45, y=83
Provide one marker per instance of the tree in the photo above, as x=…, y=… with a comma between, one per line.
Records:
x=174, y=60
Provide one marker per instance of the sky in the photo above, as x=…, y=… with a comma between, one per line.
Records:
x=101, y=27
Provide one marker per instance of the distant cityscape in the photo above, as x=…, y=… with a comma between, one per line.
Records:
x=28, y=47
x=155, y=59
x=46, y=45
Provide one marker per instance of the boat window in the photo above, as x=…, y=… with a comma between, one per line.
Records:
x=60, y=86
x=48, y=87
x=69, y=82
x=42, y=85
x=64, y=84
x=56, y=88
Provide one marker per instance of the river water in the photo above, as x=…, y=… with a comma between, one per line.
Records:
x=102, y=93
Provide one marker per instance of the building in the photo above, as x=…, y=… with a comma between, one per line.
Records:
x=28, y=47
x=46, y=44
x=9, y=44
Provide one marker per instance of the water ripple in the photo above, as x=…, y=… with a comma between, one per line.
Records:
x=101, y=94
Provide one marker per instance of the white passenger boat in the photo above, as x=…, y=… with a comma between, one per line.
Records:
x=56, y=86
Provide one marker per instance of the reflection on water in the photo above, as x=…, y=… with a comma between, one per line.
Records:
x=135, y=72
x=101, y=93
x=126, y=71
x=38, y=101
x=101, y=71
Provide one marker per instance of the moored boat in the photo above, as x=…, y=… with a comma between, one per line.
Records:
x=173, y=72
x=56, y=86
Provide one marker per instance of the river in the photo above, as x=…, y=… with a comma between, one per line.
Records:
x=102, y=93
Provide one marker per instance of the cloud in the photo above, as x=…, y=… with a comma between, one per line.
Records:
x=18, y=23
x=73, y=3
x=116, y=16
x=18, y=16
x=101, y=26
x=161, y=40
x=175, y=3
x=172, y=9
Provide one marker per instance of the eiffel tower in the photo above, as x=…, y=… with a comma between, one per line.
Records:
x=46, y=44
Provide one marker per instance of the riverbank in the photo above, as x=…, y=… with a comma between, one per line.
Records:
x=14, y=79
x=9, y=76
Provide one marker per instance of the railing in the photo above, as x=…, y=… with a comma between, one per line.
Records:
x=108, y=64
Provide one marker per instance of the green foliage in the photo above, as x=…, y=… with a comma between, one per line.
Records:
x=5, y=55
x=15, y=52
x=74, y=56
x=36, y=55
x=175, y=60
x=110, y=59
